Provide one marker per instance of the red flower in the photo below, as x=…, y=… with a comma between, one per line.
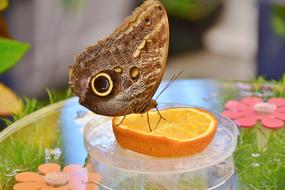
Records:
x=248, y=111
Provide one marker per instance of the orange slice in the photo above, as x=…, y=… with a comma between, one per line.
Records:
x=185, y=131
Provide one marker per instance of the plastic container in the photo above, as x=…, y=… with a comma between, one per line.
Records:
x=123, y=169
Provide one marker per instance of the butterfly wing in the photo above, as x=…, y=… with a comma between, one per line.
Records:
x=120, y=74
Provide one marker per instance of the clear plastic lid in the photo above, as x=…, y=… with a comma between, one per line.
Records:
x=101, y=144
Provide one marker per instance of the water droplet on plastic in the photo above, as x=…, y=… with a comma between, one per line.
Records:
x=255, y=164
x=80, y=114
x=13, y=172
x=255, y=155
x=52, y=154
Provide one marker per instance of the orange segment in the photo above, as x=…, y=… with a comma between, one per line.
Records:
x=184, y=132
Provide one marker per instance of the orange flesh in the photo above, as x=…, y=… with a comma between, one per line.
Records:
x=181, y=124
x=184, y=132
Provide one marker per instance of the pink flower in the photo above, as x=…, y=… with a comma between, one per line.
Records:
x=51, y=177
x=248, y=111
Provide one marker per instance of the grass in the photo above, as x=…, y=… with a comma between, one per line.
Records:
x=261, y=166
x=24, y=149
x=260, y=154
x=30, y=105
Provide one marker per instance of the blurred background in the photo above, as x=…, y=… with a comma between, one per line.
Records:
x=220, y=39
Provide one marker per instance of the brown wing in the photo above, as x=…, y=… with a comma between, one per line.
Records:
x=132, y=60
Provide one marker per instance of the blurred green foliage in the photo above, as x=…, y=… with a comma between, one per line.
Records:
x=72, y=6
x=11, y=51
x=191, y=9
x=30, y=105
x=3, y=4
x=278, y=19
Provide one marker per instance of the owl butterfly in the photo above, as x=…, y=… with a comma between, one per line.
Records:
x=120, y=74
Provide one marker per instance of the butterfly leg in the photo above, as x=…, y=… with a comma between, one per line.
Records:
x=160, y=114
x=122, y=120
x=128, y=109
x=158, y=123
x=148, y=122
x=160, y=117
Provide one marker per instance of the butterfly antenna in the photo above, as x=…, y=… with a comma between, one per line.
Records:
x=167, y=85
x=174, y=78
x=148, y=122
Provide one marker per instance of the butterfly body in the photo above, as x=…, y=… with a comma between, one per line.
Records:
x=120, y=74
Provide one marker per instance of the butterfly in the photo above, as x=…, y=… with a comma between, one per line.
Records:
x=120, y=74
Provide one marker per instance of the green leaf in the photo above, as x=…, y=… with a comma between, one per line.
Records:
x=11, y=51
